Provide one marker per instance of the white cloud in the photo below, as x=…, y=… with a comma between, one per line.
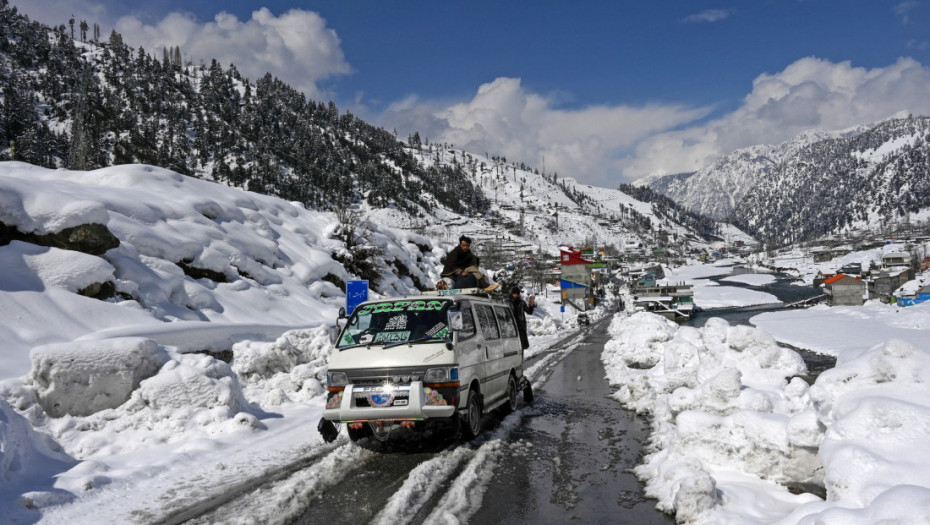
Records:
x=810, y=93
x=709, y=15
x=904, y=9
x=296, y=46
x=504, y=119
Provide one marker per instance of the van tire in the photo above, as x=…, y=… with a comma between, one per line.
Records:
x=513, y=390
x=470, y=421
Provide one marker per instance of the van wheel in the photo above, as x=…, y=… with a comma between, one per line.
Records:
x=512, y=391
x=471, y=423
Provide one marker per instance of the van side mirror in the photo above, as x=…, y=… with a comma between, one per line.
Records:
x=456, y=320
x=342, y=312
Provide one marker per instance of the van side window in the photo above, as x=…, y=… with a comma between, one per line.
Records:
x=506, y=322
x=468, y=320
x=487, y=322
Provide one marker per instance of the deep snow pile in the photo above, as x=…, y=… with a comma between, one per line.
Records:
x=734, y=424
x=723, y=398
x=875, y=405
x=82, y=378
x=192, y=404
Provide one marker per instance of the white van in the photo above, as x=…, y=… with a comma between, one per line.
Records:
x=442, y=357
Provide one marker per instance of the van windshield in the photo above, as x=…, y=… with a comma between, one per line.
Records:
x=396, y=322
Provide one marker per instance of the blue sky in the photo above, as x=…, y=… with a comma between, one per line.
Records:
x=607, y=92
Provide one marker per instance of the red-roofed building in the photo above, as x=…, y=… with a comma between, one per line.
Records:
x=843, y=290
x=575, y=278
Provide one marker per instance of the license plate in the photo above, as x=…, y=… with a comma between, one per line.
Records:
x=378, y=399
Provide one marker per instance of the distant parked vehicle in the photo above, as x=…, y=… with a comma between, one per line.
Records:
x=583, y=319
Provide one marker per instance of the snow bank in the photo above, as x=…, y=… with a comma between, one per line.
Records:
x=723, y=398
x=292, y=368
x=48, y=211
x=190, y=250
x=29, y=460
x=82, y=378
x=733, y=424
x=30, y=267
x=189, y=382
x=262, y=360
x=876, y=406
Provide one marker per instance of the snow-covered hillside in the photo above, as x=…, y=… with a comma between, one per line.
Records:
x=190, y=252
x=540, y=212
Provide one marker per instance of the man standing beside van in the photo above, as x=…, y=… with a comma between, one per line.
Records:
x=462, y=267
x=520, y=309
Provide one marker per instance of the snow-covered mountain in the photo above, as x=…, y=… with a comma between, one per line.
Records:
x=715, y=190
x=820, y=182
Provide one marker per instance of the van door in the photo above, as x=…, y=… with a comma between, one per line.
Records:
x=469, y=351
x=510, y=338
x=495, y=380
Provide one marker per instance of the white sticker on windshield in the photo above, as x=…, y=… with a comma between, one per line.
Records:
x=392, y=337
x=398, y=322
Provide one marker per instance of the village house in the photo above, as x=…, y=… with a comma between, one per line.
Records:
x=828, y=254
x=843, y=290
x=646, y=280
x=851, y=269
x=575, y=281
x=883, y=284
x=895, y=259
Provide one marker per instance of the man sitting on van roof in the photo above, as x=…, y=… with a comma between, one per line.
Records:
x=462, y=268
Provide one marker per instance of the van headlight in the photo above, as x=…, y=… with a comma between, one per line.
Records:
x=336, y=380
x=446, y=374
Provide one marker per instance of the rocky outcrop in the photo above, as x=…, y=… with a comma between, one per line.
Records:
x=93, y=239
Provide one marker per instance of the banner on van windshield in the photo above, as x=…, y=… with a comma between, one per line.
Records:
x=403, y=306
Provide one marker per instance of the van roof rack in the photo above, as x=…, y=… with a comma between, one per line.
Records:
x=457, y=291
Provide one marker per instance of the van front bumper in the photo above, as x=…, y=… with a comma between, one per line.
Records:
x=387, y=403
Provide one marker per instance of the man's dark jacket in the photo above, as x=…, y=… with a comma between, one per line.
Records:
x=520, y=309
x=458, y=259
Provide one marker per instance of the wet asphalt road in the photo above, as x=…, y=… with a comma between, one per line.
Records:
x=569, y=461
